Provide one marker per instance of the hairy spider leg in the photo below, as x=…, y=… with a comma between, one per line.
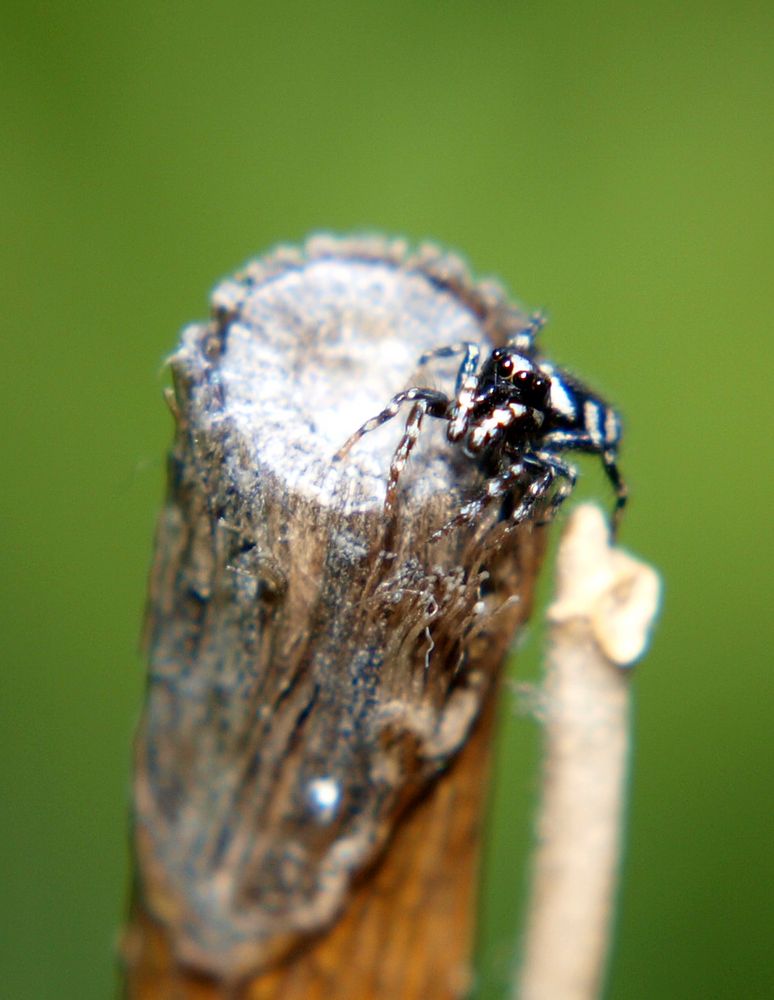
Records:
x=461, y=347
x=551, y=469
x=401, y=454
x=524, y=339
x=583, y=441
x=437, y=406
x=563, y=471
x=532, y=495
x=495, y=488
x=620, y=487
x=464, y=393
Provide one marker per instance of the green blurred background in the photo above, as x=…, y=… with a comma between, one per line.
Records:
x=612, y=162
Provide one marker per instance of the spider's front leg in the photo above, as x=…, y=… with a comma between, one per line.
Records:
x=465, y=392
x=436, y=403
x=524, y=339
x=401, y=454
x=466, y=385
x=449, y=351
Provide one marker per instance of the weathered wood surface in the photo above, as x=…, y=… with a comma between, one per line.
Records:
x=313, y=671
x=405, y=932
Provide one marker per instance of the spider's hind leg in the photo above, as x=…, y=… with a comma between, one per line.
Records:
x=619, y=486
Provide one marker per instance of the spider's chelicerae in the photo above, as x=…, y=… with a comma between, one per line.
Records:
x=515, y=415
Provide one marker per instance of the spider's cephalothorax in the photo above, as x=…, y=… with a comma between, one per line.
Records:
x=516, y=415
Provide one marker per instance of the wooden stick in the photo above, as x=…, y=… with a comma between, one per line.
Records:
x=315, y=670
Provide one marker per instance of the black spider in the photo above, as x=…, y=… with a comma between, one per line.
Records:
x=516, y=414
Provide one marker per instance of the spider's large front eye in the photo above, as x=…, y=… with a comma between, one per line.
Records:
x=534, y=388
x=505, y=366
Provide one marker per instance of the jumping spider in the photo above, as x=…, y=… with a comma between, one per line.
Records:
x=515, y=415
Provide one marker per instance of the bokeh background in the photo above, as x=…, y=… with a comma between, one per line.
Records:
x=611, y=162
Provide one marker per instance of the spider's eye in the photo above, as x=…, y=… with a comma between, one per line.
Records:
x=538, y=390
x=524, y=377
x=505, y=366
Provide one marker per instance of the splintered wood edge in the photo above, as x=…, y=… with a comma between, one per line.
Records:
x=407, y=928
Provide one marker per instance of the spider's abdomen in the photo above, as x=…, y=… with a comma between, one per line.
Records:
x=602, y=423
x=575, y=409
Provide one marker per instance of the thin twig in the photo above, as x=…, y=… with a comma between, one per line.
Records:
x=605, y=606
